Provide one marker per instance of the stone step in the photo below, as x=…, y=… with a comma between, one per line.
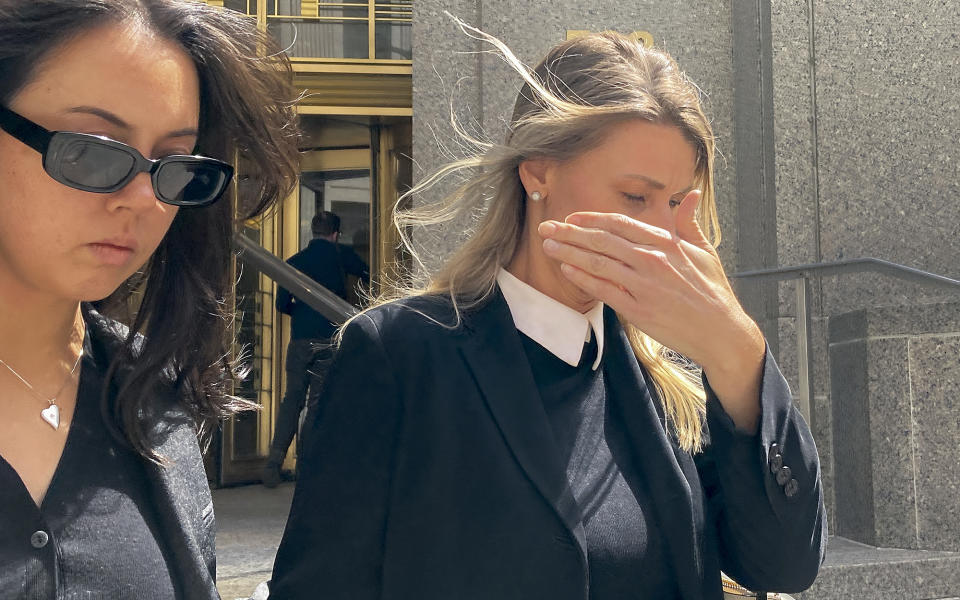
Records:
x=855, y=571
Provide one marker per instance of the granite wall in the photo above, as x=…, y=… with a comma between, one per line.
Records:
x=866, y=119
x=896, y=422
x=865, y=115
x=887, y=114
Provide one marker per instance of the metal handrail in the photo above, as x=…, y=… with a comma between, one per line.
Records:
x=855, y=265
x=840, y=267
x=317, y=297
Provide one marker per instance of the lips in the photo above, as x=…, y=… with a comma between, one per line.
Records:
x=122, y=243
x=116, y=251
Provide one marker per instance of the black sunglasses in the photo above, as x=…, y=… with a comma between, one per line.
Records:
x=93, y=163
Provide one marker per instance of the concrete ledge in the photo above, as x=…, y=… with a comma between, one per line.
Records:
x=895, y=321
x=895, y=423
x=854, y=571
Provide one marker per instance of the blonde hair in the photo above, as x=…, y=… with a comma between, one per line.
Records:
x=566, y=106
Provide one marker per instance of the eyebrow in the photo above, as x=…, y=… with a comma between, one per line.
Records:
x=658, y=185
x=653, y=182
x=113, y=119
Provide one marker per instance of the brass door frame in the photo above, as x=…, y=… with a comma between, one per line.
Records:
x=234, y=468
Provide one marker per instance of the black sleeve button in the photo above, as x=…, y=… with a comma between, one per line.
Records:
x=39, y=539
x=776, y=459
x=783, y=475
x=791, y=488
x=776, y=463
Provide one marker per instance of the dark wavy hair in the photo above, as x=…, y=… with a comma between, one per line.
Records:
x=180, y=326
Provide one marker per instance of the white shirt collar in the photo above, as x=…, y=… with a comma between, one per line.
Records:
x=554, y=325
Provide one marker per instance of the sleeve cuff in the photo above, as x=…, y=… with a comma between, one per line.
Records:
x=720, y=423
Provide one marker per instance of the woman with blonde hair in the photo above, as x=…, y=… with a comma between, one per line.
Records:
x=531, y=424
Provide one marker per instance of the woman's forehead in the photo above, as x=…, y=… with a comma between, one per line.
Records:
x=145, y=81
x=656, y=154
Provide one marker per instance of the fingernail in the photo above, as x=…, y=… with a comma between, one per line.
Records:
x=550, y=245
x=547, y=228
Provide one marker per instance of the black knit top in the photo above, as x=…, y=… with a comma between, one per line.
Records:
x=625, y=548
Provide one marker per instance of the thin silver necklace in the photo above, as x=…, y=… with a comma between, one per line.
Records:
x=51, y=414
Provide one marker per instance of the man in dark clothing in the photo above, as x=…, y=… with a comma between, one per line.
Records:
x=328, y=263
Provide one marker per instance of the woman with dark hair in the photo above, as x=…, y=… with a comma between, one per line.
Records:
x=118, y=123
x=575, y=406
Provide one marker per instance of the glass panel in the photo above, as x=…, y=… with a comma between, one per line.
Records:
x=394, y=40
x=248, y=7
x=283, y=7
x=326, y=36
x=308, y=208
x=394, y=9
x=395, y=6
x=346, y=194
x=350, y=199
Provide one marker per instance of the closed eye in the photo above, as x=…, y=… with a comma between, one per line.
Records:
x=633, y=198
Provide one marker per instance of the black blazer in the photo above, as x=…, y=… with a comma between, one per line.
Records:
x=179, y=489
x=430, y=472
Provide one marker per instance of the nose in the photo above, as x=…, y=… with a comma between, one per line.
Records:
x=137, y=195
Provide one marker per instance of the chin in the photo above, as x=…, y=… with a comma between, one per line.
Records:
x=95, y=291
x=95, y=298
x=578, y=295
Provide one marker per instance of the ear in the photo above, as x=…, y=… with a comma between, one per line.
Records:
x=536, y=175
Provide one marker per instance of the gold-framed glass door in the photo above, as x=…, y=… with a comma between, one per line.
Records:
x=335, y=175
x=352, y=61
x=356, y=167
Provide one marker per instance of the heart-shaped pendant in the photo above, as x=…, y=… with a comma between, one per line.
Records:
x=52, y=416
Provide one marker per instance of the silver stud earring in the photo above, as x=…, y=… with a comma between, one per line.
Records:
x=536, y=196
